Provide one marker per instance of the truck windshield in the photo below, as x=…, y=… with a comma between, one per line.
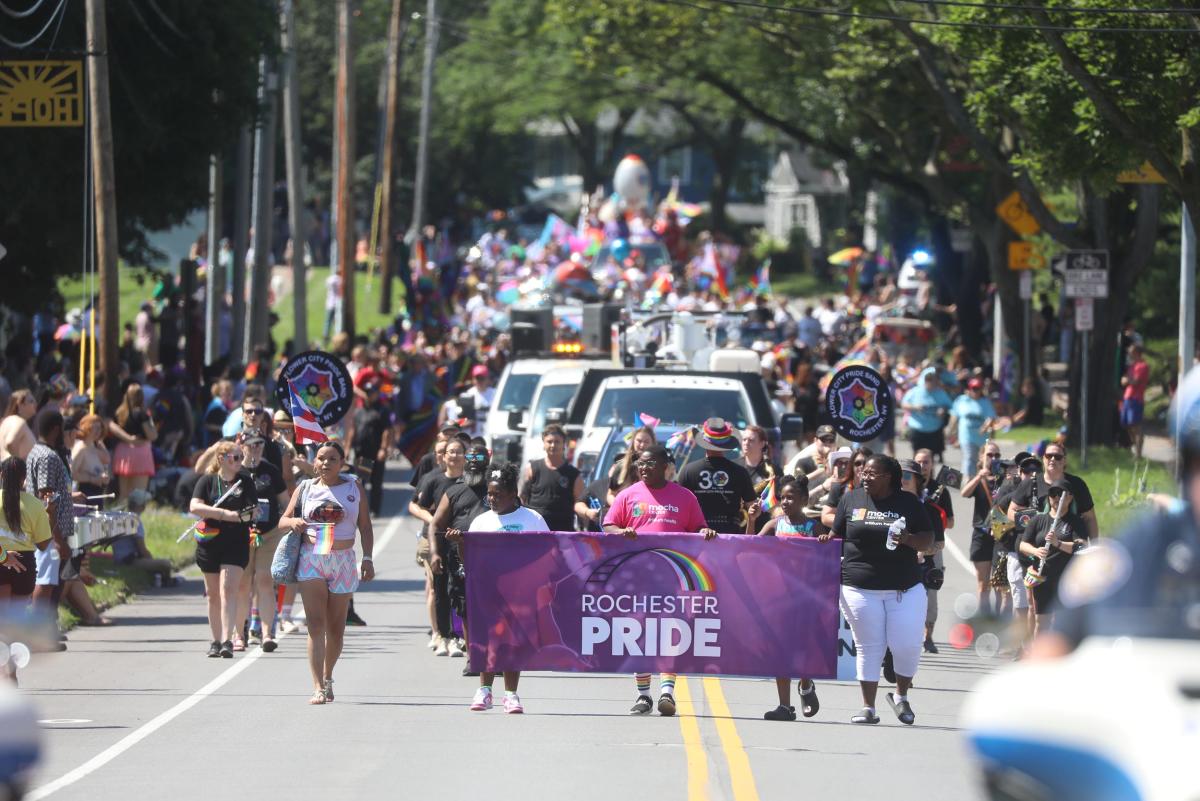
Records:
x=518, y=391
x=624, y=405
x=552, y=396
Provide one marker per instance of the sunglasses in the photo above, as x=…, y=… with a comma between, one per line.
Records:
x=235, y=457
x=252, y=411
x=859, y=462
x=1054, y=457
x=993, y=456
x=828, y=440
x=476, y=457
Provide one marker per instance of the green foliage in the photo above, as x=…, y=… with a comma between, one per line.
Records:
x=183, y=79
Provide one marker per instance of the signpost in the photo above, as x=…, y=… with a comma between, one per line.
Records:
x=1086, y=274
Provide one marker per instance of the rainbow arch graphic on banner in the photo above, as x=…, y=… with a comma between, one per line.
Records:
x=693, y=576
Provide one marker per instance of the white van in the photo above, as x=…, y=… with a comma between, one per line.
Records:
x=514, y=393
x=556, y=390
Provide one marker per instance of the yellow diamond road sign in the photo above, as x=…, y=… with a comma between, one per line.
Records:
x=1014, y=212
x=1145, y=174
x=41, y=94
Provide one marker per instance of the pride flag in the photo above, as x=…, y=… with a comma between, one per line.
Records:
x=710, y=265
x=761, y=282
x=306, y=426
x=768, y=499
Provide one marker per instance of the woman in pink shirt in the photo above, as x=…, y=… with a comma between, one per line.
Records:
x=655, y=505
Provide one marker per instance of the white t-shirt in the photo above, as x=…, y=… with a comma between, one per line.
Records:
x=520, y=519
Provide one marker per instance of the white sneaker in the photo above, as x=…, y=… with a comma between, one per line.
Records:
x=288, y=627
x=433, y=641
x=456, y=648
x=441, y=649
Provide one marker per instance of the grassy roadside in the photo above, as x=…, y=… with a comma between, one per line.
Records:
x=117, y=583
x=366, y=308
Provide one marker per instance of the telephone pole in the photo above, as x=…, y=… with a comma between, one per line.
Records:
x=241, y=241
x=345, y=162
x=390, y=154
x=422, y=180
x=264, y=207
x=104, y=195
x=291, y=143
x=214, y=292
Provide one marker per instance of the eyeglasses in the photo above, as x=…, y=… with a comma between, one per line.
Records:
x=235, y=457
x=1054, y=457
x=859, y=462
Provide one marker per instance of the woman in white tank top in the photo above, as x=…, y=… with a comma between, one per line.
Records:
x=328, y=573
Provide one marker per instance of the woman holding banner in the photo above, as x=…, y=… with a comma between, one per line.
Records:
x=883, y=598
x=505, y=513
x=330, y=511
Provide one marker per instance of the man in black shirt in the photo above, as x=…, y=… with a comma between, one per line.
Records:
x=370, y=435
x=723, y=487
x=551, y=486
x=429, y=461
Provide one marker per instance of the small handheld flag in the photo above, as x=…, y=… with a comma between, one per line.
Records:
x=768, y=499
x=324, y=545
x=306, y=426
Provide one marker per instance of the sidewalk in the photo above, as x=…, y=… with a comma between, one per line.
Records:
x=1156, y=448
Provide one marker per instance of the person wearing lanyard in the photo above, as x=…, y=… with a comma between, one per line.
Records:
x=330, y=511
x=723, y=487
x=983, y=489
x=256, y=593
x=226, y=499
x=1052, y=538
x=883, y=530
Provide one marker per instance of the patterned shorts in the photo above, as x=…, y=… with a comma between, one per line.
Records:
x=339, y=569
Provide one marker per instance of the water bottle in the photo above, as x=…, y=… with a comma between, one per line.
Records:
x=893, y=535
x=594, y=503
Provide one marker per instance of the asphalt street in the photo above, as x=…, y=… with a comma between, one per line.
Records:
x=137, y=710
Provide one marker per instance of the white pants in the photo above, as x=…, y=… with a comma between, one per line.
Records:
x=883, y=619
x=1016, y=582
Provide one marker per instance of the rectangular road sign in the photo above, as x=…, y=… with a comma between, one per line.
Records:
x=1085, y=318
x=1086, y=274
x=1025, y=285
x=41, y=94
x=1087, y=290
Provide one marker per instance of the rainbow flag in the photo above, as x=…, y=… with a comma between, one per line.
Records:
x=710, y=265
x=760, y=284
x=420, y=428
x=204, y=532
x=324, y=532
x=768, y=499
x=856, y=355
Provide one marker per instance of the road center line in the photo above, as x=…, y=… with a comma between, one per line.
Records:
x=136, y=736
x=697, y=759
x=740, y=774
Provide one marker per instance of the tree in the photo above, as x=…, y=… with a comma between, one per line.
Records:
x=183, y=80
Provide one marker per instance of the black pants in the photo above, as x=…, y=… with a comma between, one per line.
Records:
x=441, y=593
x=372, y=473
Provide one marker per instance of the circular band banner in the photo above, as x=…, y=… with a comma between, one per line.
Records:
x=859, y=403
x=321, y=381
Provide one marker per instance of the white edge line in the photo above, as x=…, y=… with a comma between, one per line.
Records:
x=135, y=737
x=960, y=557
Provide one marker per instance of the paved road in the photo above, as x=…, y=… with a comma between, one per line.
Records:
x=138, y=709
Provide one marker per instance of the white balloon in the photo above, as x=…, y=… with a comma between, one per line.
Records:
x=632, y=181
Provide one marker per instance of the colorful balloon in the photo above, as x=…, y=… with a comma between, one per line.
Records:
x=632, y=181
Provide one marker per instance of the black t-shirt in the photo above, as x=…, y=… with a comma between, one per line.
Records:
x=210, y=487
x=985, y=497
x=941, y=496
x=1081, y=502
x=862, y=522
x=424, y=465
x=273, y=454
x=370, y=424
x=834, y=496
x=935, y=520
x=720, y=486
x=1072, y=528
x=466, y=504
x=551, y=493
x=268, y=483
x=135, y=423
x=433, y=486
x=806, y=466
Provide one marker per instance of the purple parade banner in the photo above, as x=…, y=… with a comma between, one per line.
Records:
x=583, y=602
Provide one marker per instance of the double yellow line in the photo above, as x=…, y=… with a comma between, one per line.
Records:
x=740, y=774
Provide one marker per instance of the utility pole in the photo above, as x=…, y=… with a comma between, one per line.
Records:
x=344, y=156
x=1187, y=293
x=422, y=180
x=390, y=154
x=214, y=292
x=264, y=206
x=291, y=141
x=104, y=194
x=241, y=241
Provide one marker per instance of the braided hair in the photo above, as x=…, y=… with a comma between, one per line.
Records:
x=505, y=475
x=12, y=482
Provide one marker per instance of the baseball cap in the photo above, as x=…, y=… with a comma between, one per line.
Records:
x=1062, y=485
x=479, y=370
x=825, y=431
x=1030, y=463
x=975, y=383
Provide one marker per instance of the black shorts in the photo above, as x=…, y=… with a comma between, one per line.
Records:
x=934, y=441
x=230, y=547
x=21, y=583
x=983, y=545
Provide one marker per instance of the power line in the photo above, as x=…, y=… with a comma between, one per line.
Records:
x=22, y=14
x=1086, y=10
x=62, y=4
x=1000, y=26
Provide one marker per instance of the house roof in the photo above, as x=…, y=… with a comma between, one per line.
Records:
x=794, y=173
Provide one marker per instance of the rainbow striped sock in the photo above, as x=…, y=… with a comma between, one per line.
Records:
x=666, y=684
x=643, y=683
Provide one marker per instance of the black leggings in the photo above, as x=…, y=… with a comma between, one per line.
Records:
x=441, y=593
